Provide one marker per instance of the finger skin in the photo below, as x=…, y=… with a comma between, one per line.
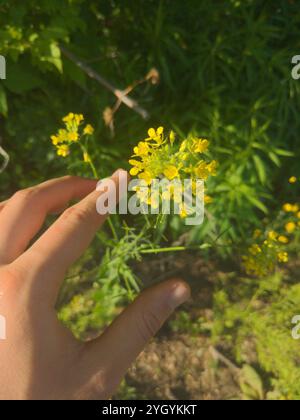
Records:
x=24, y=214
x=65, y=241
x=3, y=204
x=113, y=353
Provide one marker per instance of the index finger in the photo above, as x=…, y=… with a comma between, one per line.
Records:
x=66, y=240
x=23, y=214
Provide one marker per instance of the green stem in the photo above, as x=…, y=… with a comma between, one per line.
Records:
x=94, y=170
x=174, y=249
x=253, y=299
x=96, y=175
x=113, y=230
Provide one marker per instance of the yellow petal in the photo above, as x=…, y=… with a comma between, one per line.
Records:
x=134, y=171
x=151, y=133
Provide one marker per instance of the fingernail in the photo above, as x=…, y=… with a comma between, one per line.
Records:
x=179, y=294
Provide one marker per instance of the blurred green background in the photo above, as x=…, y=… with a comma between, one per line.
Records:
x=223, y=71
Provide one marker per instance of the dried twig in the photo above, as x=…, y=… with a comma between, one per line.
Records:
x=120, y=94
x=5, y=156
x=219, y=356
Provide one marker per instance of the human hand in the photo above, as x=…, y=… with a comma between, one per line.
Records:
x=40, y=359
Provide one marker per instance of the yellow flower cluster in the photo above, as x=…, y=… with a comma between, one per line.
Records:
x=264, y=255
x=293, y=210
x=71, y=133
x=160, y=156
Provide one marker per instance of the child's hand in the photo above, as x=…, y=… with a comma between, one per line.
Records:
x=40, y=359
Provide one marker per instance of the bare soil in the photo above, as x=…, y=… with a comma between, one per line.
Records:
x=184, y=365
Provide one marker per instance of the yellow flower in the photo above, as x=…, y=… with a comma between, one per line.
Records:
x=283, y=257
x=141, y=149
x=86, y=157
x=146, y=176
x=156, y=135
x=255, y=249
x=159, y=131
x=283, y=239
x=184, y=156
x=288, y=207
x=292, y=180
x=201, y=171
x=212, y=168
x=183, y=146
x=200, y=145
x=268, y=244
x=257, y=233
x=55, y=140
x=171, y=172
x=134, y=171
x=78, y=118
x=295, y=208
x=173, y=192
x=298, y=215
x=70, y=134
x=156, y=157
x=172, y=137
x=272, y=235
x=151, y=133
x=68, y=118
x=208, y=199
x=62, y=135
x=63, y=150
x=88, y=130
x=73, y=118
x=73, y=136
x=183, y=212
x=290, y=227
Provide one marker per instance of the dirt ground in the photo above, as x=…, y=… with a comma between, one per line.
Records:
x=177, y=364
x=182, y=367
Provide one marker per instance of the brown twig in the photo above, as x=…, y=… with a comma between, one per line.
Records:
x=120, y=94
x=5, y=155
x=219, y=356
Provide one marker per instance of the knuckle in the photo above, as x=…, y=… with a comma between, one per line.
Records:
x=26, y=194
x=75, y=214
x=148, y=324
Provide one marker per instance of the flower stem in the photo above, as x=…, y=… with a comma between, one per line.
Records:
x=174, y=249
x=96, y=175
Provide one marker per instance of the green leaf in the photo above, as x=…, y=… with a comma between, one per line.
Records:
x=22, y=77
x=251, y=384
x=260, y=168
x=55, y=56
x=255, y=201
x=3, y=102
x=282, y=152
x=274, y=158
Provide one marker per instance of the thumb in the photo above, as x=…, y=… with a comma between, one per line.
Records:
x=129, y=333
